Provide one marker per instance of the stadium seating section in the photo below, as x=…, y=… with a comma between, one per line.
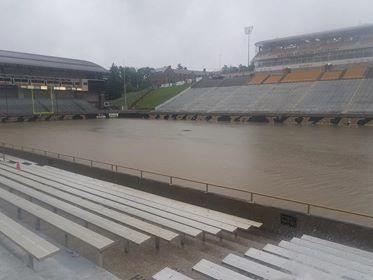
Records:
x=273, y=79
x=302, y=76
x=311, y=75
x=332, y=75
x=357, y=72
x=320, y=97
x=27, y=107
x=258, y=79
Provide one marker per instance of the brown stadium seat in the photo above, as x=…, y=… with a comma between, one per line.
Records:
x=357, y=72
x=273, y=79
x=258, y=79
x=332, y=75
x=302, y=76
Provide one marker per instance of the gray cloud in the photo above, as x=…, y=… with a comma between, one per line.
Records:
x=165, y=32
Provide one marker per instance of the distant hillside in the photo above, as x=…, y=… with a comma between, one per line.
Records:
x=158, y=96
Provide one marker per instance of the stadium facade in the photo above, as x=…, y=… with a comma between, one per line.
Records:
x=318, y=78
x=38, y=85
x=336, y=47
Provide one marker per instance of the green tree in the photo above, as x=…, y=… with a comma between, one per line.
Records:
x=136, y=80
x=114, y=84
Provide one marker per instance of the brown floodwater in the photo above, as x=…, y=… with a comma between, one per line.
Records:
x=322, y=165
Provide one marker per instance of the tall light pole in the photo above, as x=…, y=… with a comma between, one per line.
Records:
x=248, y=31
x=124, y=88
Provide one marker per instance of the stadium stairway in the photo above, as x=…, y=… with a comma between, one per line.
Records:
x=300, y=258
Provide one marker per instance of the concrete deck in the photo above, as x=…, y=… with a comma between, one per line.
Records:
x=65, y=265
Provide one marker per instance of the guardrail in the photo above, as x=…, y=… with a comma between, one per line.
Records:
x=253, y=197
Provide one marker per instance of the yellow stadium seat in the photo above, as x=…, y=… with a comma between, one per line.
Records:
x=332, y=75
x=258, y=79
x=357, y=72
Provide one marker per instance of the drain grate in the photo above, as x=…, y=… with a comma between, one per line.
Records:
x=137, y=277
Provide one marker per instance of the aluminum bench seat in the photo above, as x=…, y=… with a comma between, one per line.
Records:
x=98, y=241
x=120, y=230
x=256, y=268
x=35, y=246
x=183, y=207
x=315, y=262
x=133, y=207
x=117, y=229
x=326, y=257
x=348, y=249
x=297, y=269
x=218, y=272
x=170, y=274
x=333, y=251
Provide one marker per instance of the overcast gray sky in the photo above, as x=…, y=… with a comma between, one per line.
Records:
x=165, y=32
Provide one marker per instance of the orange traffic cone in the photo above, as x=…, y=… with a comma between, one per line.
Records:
x=18, y=166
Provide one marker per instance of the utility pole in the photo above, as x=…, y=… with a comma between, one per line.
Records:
x=124, y=88
x=248, y=31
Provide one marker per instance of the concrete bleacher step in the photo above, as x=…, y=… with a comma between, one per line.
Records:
x=61, y=266
x=255, y=268
x=297, y=269
x=11, y=267
x=332, y=251
x=315, y=262
x=326, y=257
x=170, y=274
x=218, y=272
x=348, y=249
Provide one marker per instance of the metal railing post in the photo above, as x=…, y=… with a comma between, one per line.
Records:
x=207, y=188
x=170, y=180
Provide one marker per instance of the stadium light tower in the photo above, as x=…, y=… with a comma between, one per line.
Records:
x=124, y=88
x=248, y=31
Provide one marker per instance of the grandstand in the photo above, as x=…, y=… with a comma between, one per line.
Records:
x=326, y=74
x=32, y=85
x=58, y=220
x=337, y=47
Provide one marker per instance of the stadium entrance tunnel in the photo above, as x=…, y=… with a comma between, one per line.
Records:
x=335, y=121
x=279, y=119
x=315, y=120
x=259, y=119
x=224, y=118
x=298, y=120
x=362, y=122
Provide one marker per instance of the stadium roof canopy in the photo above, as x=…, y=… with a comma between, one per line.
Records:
x=36, y=60
x=319, y=35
